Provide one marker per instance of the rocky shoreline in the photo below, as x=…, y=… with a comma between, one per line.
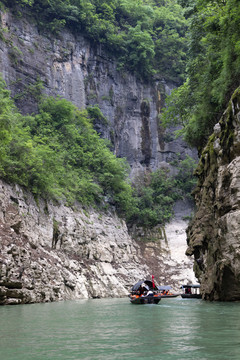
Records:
x=51, y=253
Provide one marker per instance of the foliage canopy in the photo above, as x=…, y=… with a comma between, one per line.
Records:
x=56, y=154
x=145, y=36
x=155, y=194
x=213, y=69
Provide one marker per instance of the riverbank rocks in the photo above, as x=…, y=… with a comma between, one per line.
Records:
x=51, y=252
x=213, y=236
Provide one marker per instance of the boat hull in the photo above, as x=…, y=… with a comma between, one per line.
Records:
x=191, y=296
x=169, y=296
x=145, y=300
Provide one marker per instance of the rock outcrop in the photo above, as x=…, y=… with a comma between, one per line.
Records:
x=213, y=236
x=51, y=253
x=72, y=67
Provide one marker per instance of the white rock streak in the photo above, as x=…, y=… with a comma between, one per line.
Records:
x=176, y=238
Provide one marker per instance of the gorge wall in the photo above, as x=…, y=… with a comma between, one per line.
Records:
x=51, y=252
x=72, y=67
x=213, y=236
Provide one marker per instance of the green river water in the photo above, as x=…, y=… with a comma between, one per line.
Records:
x=175, y=329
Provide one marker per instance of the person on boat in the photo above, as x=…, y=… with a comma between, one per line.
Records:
x=141, y=290
x=165, y=292
x=149, y=293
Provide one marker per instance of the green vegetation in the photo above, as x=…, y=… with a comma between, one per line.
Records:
x=56, y=154
x=213, y=68
x=155, y=195
x=145, y=36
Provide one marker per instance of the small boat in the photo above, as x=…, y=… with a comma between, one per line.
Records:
x=165, y=291
x=136, y=299
x=191, y=292
x=145, y=292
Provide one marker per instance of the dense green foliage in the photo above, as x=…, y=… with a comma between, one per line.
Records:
x=56, y=154
x=213, y=68
x=146, y=36
x=155, y=195
x=6, y=118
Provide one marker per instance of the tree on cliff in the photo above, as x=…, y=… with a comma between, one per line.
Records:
x=145, y=37
x=213, y=69
x=57, y=154
x=6, y=119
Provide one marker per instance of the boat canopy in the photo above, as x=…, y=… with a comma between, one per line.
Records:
x=164, y=287
x=196, y=286
x=148, y=283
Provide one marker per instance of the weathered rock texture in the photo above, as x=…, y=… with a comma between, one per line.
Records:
x=50, y=253
x=72, y=67
x=214, y=235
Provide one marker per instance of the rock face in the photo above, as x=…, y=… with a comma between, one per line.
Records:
x=213, y=236
x=70, y=66
x=50, y=253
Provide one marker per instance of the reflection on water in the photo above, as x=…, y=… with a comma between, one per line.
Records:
x=110, y=329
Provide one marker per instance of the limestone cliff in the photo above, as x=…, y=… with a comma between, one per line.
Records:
x=213, y=236
x=72, y=67
x=50, y=252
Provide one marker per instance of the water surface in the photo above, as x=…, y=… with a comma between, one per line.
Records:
x=109, y=329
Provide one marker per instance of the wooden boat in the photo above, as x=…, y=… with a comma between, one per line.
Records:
x=136, y=299
x=191, y=292
x=145, y=292
x=169, y=296
x=165, y=291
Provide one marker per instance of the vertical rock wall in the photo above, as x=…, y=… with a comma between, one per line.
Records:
x=70, y=66
x=48, y=252
x=51, y=253
x=213, y=236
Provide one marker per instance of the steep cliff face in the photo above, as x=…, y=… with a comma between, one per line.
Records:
x=50, y=253
x=213, y=236
x=72, y=67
